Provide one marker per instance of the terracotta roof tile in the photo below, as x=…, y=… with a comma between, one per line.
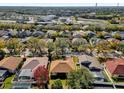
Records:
x=115, y=66
x=62, y=66
x=11, y=63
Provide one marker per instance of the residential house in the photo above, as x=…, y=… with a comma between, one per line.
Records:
x=78, y=34
x=3, y=75
x=93, y=65
x=60, y=68
x=115, y=67
x=90, y=33
x=3, y=33
x=38, y=33
x=23, y=34
x=11, y=64
x=27, y=71
x=32, y=63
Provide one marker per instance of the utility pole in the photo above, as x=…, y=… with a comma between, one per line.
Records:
x=117, y=8
x=96, y=7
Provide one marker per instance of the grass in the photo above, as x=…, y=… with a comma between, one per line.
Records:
x=118, y=81
x=7, y=82
x=63, y=83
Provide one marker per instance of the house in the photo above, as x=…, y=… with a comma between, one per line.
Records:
x=3, y=33
x=93, y=65
x=23, y=34
x=122, y=35
x=25, y=75
x=60, y=68
x=38, y=33
x=32, y=63
x=3, y=75
x=90, y=62
x=115, y=67
x=12, y=33
x=11, y=64
x=78, y=34
x=90, y=33
x=28, y=70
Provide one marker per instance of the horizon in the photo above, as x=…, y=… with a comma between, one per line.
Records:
x=61, y=4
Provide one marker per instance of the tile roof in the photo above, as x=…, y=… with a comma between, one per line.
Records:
x=11, y=63
x=62, y=66
x=32, y=63
x=115, y=66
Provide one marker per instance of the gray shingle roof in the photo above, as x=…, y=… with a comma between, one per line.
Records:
x=31, y=63
x=85, y=58
x=26, y=72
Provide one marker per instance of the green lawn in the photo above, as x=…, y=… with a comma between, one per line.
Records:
x=7, y=82
x=63, y=83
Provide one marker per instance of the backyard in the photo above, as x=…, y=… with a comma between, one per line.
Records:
x=7, y=82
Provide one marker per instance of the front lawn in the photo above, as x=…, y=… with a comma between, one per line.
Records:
x=7, y=82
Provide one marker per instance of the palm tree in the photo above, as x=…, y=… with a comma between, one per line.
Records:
x=51, y=48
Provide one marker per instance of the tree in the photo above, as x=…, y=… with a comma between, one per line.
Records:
x=51, y=47
x=103, y=47
x=37, y=46
x=2, y=54
x=41, y=76
x=117, y=36
x=80, y=79
x=14, y=46
x=2, y=44
x=120, y=47
x=61, y=44
x=57, y=84
x=78, y=44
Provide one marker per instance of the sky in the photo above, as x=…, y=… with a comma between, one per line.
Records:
x=61, y=2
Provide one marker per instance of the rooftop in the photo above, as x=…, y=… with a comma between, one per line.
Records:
x=26, y=72
x=10, y=63
x=86, y=58
x=32, y=63
x=2, y=72
x=62, y=66
x=115, y=66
